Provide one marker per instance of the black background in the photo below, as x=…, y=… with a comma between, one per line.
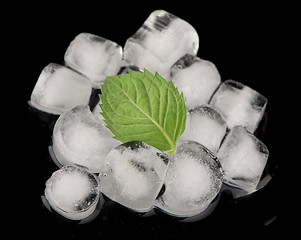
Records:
x=245, y=42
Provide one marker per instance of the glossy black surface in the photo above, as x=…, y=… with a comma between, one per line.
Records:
x=239, y=41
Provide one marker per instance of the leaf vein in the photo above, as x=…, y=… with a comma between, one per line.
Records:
x=162, y=130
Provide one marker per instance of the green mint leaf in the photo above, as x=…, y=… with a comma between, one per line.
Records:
x=143, y=107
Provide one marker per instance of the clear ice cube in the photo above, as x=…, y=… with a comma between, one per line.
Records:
x=73, y=192
x=205, y=125
x=94, y=56
x=59, y=89
x=80, y=138
x=160, y=42
x=193, y=180
x=239, y=104
x=196, y=78
x=243, y=158
x=133, y=175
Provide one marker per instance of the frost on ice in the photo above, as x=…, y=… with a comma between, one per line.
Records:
x=133, y=175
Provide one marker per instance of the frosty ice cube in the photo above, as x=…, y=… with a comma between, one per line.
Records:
x=94, y=56
x=239, y=104
x=160, y=42
x=193, y=180
x=133, y=175
x=205, y=125
x=73, y=192
x=196, y=78
x=243, y=158
x=80, y=138
x=59, y=89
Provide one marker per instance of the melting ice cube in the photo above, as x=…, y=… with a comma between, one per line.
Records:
x=133, y=175
x=160, y=42
x=59, y=89
x=193, y=180
x=80, y=138
x=73, y=192
x=239, y=104
x=243, y=158
x=196, y=78
x=205, y=125
x=94, y=56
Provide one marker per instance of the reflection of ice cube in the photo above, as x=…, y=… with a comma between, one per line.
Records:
x=80, y=138
x=94, y=56
x=205, y=125
x=59, y=89
x=73, y=192
x=196, y=78
x=243, y=158
x=193, y=180
x=133, y=175
x=239, y=104
x=160, y=42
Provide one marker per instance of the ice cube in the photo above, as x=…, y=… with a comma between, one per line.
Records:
x=133, y=175
x=239, y=104
x=160, y=42
x=193, y=180
x=73, y=192
x=94, y=56
x=59, y=89
x=205, y=125
x=196, y=78
x=80, y=138
x=243, y=158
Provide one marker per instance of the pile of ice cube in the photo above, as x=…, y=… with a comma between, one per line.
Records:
x=218, y=145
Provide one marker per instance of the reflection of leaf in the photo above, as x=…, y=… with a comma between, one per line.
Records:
x=143, y=107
